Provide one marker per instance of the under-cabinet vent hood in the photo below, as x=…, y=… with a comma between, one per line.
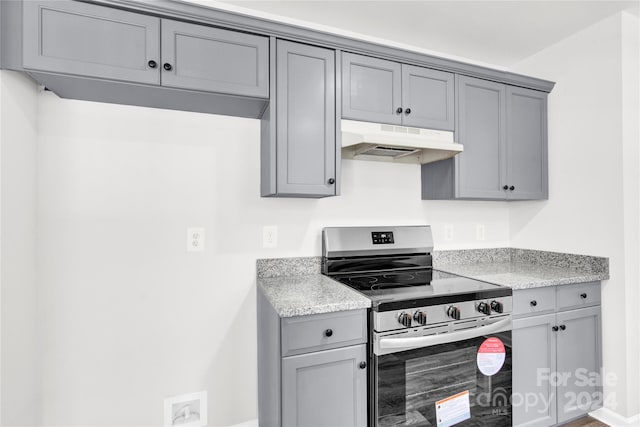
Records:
x=380, y=142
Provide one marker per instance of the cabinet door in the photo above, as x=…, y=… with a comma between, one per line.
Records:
x=326, y=388
x=215, y=60
x=579, y=360
x=526, y=143
x=429, y=95
x=88, y=40
x=306, y=119
x=534, y=360
x=371, y=89
x=481, y=168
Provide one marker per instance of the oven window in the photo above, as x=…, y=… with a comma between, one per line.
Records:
x=408, y=384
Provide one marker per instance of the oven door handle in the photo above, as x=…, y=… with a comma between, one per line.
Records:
x=402, y=344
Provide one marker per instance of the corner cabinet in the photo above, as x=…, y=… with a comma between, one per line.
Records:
x=299, y=138
x=376, y=90
x=557, y=354
x=504, y=133
x=312, y=370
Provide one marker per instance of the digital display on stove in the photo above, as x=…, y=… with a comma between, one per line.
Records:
x=382, y=237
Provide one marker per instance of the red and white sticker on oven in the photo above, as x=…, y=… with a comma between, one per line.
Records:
x=491, y=355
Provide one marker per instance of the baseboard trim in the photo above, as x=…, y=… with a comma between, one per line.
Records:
x=613, y=419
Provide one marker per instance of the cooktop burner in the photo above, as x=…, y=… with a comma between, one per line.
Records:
x=389, y=280
x=425, y=287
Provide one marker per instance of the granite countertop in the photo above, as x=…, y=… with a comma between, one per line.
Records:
x=295, y=287
x=523, y=268
x=521, y=275
x=309, y=294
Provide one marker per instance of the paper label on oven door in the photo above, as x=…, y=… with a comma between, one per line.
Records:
x=453, y=409
x=491, y=355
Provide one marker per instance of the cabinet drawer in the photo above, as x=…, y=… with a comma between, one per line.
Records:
x=534, y=301
x=578, y=295
x=304, y=334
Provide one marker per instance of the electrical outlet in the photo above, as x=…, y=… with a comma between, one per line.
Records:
x=195, y=239
x=269, y=236
x=448, y=232
x=186, y=410
x=479, y=231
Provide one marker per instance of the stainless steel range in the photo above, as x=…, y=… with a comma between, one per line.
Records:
x=440, y=344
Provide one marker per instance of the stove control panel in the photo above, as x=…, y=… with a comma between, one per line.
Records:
x=434, y=315
x=382, y=237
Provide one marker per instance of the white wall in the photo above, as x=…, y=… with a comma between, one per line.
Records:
x=19, y=347
x=128, y=317
x=593, y=180
x=125, y=316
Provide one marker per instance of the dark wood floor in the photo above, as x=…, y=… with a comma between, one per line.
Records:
x=586, y=422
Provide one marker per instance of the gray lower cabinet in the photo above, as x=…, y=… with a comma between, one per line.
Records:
x=504, y=133
x=326, y=388
x=381, y=91
x=312, y=370
x=578, y=354
x=88, y=40
x=557, y=354
x=299, y=139
x=534, y=351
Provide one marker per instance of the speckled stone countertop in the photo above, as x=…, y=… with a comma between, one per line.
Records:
x=522, y=268
x=311, y=294
x=295, y=287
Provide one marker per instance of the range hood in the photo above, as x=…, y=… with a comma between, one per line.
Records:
x=381, y=142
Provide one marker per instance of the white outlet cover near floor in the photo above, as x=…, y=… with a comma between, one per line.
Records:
x=186, y=410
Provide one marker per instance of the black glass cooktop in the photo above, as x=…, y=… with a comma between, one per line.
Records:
x=418, y=288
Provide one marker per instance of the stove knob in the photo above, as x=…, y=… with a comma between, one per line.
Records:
x=497, y=306
x=405, y=319
x=453, y=312
x=484, y=308
x=420, y=317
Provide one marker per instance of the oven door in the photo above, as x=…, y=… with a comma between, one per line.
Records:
x=454, y=378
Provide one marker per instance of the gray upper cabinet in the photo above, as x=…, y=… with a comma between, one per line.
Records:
x=428, y=98
x=204, y=58
x=527, y=143
x=88, y=40
x=504, y=133
x=371, y=89
x=376, y=90
x=299, y=160
x=482, y=132
x=325, y=388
